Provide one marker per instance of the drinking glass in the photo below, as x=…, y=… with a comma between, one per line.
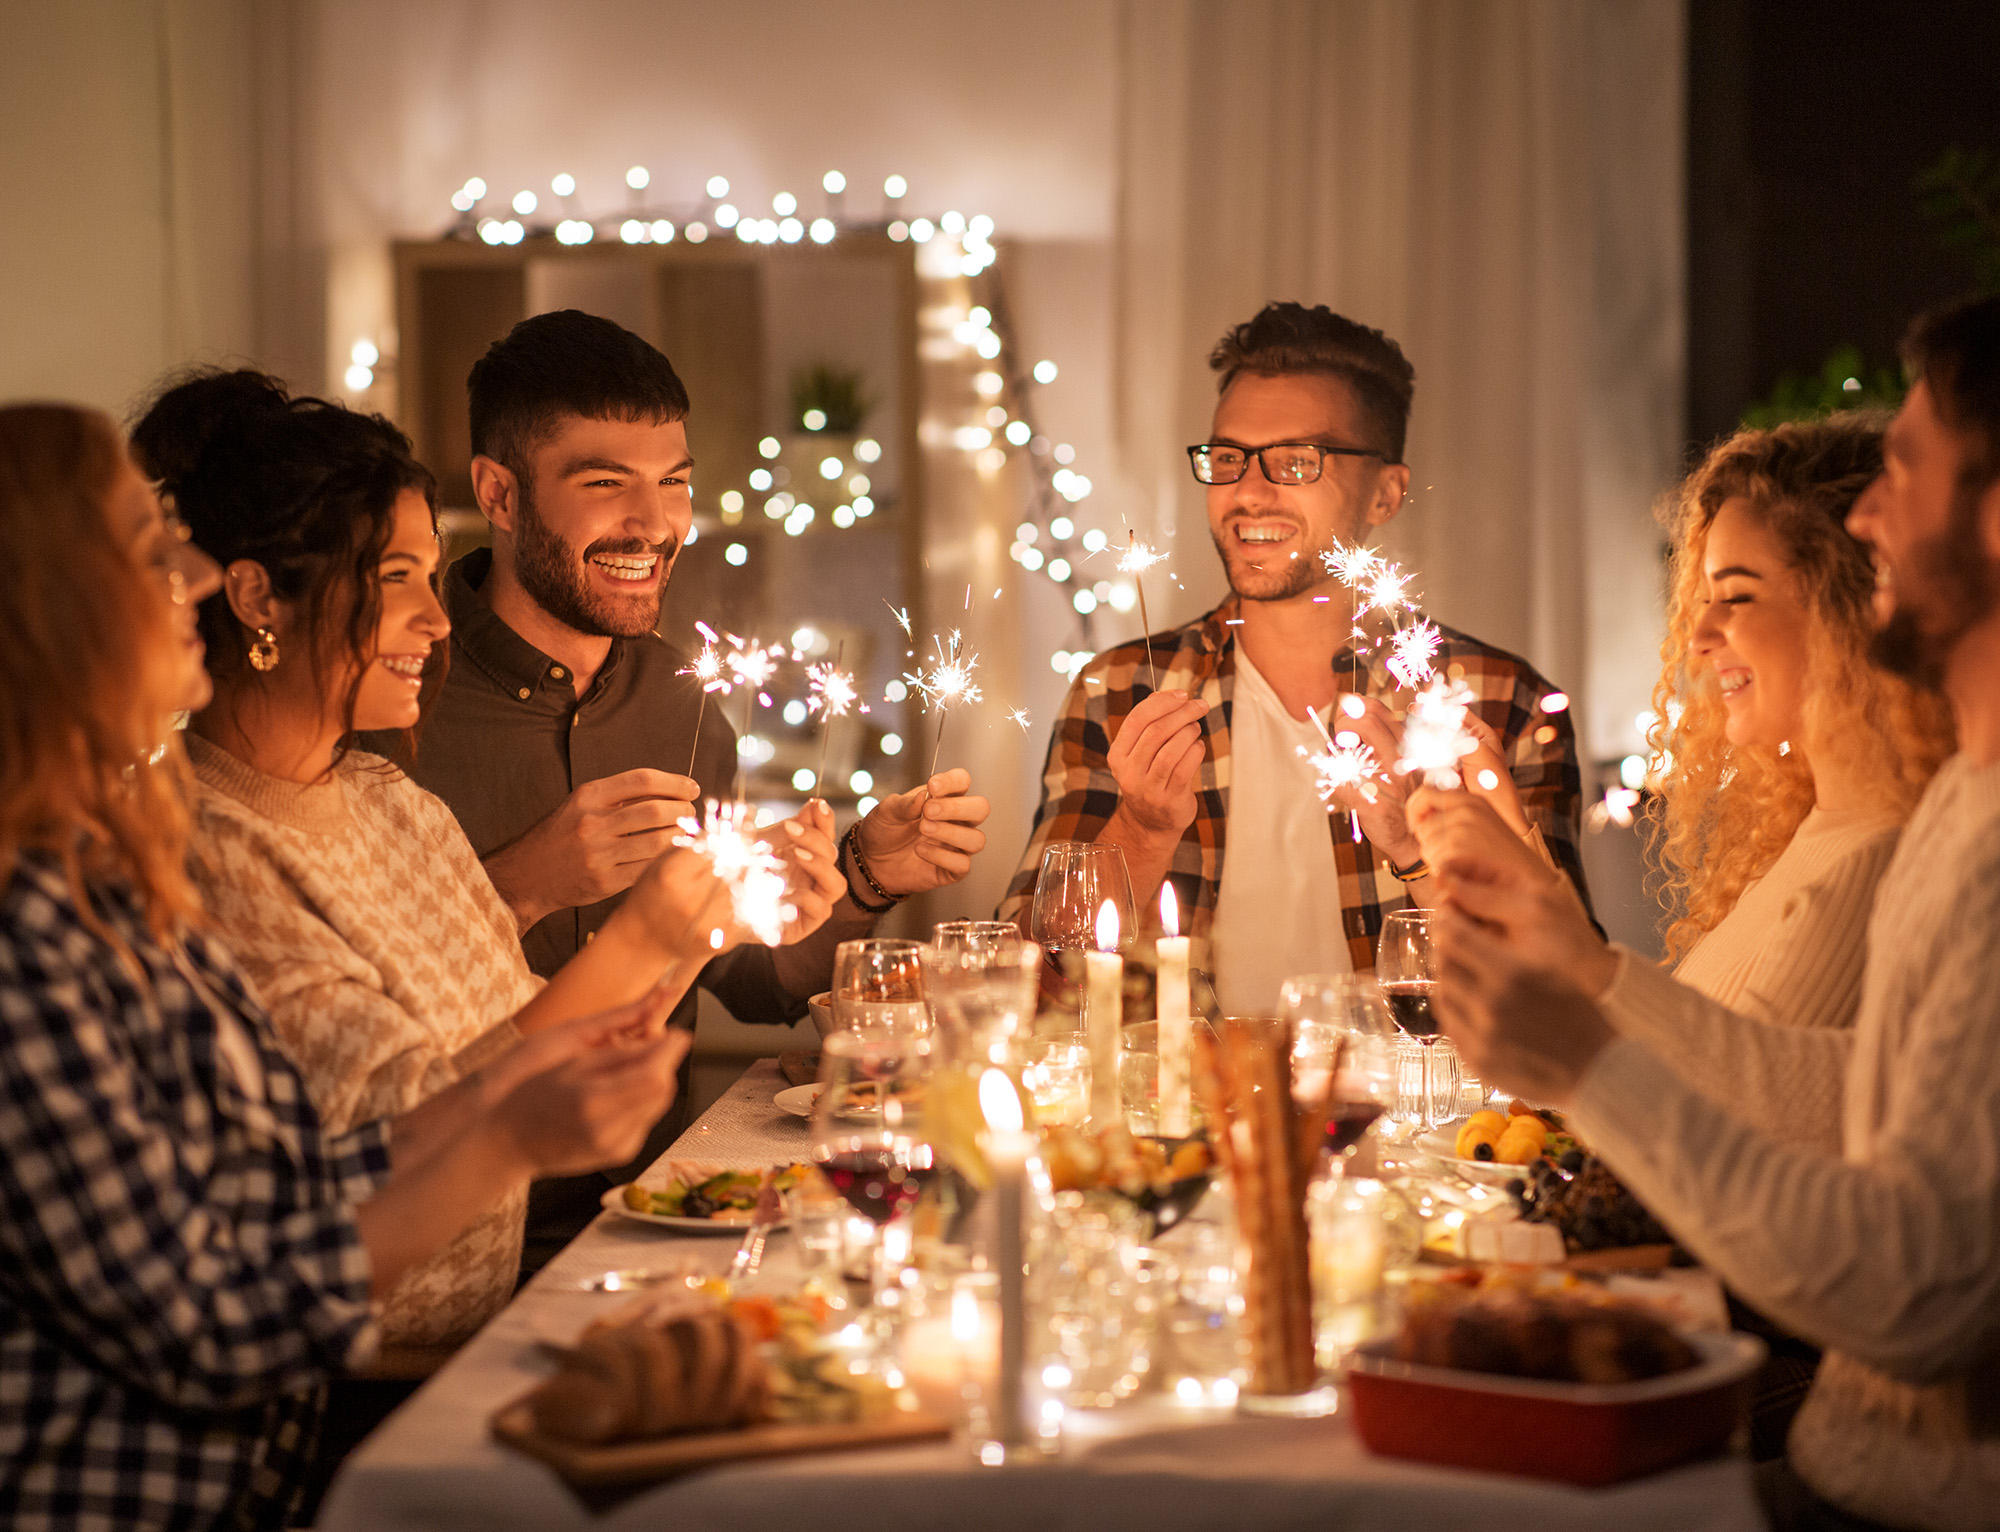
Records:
x=868, y=1136
x=1078, y=878
x=1342, y=1017
x=983, y=992
x=1406, y=968
x=973, y=936
x=1056, y=1073
x=878, y=985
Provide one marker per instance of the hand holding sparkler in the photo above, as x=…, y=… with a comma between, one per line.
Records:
x=766, y=896
x=1155, y=758
x=1362, y=743
x=1487, y=870
x=597, y=843
x=925, y=838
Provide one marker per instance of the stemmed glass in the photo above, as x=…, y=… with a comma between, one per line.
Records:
x=1406, y=967
x=972, y=937
x=868, y=1136
x=1077, y=879
x=1339, y=1021
x=879, y=985
x=983, y=991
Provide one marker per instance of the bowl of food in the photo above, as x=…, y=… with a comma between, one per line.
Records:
x=1586, y=1392
x=821, y=1008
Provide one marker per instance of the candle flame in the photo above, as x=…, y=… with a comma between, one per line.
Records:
x=1107, y=927
x=999, y=1102
x=1170, y=910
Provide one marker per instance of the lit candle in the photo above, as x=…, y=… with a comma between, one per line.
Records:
x=1175, y=1026
x=1103, y=1009
x=1007, y=1149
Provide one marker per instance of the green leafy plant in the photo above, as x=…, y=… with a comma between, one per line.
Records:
x=829, y=400
x=1843, y=382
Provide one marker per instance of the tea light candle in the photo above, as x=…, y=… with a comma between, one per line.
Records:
x=1103, y=1014
x=1176, y=1027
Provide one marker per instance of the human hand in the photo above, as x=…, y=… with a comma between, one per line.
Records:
x=684, y=909
x=1377, y=805
x=598, y=1094
x=1516, y=1024
x=1155, y=758
x=925, y=838
x=814, y=881
x=597, y=843
x=1487, y=774
x=1485, y=870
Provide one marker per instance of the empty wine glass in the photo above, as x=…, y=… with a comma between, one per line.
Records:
x=1340, y=1023
x=1077, y=879
x=879, y=985
x=1406, y=967
x=983, y=993
x=973, y=936
x=868, y=1135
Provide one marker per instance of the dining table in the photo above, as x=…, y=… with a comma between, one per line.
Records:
x=1154, y=1462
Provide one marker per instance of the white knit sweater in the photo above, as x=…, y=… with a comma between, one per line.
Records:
x=1888, y=1255
x=1787, y=957
x=388, y=964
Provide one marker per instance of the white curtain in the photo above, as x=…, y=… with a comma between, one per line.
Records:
x=1496, y=184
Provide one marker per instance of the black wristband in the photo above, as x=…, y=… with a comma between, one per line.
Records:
x=850, y=851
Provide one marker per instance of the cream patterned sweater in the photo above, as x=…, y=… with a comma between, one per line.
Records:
x=1758, y=1014
x=1889, y=1253
x=388, y=964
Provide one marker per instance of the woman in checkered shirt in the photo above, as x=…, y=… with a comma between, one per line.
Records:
x=185, y=1255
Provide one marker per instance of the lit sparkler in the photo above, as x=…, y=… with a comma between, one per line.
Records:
x=1412, y=651
x=706, y=668
x=749, y=665
x=1134, y=559
x=1345, y=764
x=753, y=873
x=1019, y=716
x=1435, y=734
x=1354, y=566
x=1389, y=591
x=947, y=683
x=833, y=694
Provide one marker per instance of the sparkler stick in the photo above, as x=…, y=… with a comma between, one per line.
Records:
x=833, y=696
x=706, y=668
x=1341, y=767
x=1137, y=558
x=750, y=665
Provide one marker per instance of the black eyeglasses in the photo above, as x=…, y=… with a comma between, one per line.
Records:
x=1282, y=462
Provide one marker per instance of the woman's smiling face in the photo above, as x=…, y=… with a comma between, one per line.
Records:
x=1754, y=629
x=412, y=623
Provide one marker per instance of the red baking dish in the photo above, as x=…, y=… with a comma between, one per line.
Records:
x=1579, y=1433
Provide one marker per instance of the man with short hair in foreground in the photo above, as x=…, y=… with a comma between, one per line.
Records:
x=1889, y=1256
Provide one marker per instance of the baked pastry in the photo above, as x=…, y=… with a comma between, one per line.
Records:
x=695, y=1370
x=1528, y=1335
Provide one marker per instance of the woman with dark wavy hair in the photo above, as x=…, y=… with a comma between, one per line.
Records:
x=187, y=1255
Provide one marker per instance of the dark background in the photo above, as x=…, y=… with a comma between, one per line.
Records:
x=1808, y=122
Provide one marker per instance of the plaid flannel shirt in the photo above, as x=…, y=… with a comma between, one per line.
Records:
x=1079, y=793
x=180, y=1269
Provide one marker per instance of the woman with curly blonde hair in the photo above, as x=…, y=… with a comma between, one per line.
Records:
x=1743, y=771
x=1789, y=766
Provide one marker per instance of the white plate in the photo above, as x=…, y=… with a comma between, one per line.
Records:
x=797, y=1099
x=1441, y=1141
x=666, y=1174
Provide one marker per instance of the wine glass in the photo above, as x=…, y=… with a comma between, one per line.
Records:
x=1078, y=878
x=973, y=936
x=983, y=991
x=1406, y=968
x=1340, y=1022
x=868, y=1136
x=879, y=985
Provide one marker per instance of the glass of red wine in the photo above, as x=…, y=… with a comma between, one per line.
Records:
x=868, y=1134
x=1339, y=1024
x=1406, y=968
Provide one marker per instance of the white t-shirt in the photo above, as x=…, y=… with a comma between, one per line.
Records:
x=1278, y=911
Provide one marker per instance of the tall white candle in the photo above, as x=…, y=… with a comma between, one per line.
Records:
x=1103, y=1014
x=1176, y=1027
x=1007, y=1150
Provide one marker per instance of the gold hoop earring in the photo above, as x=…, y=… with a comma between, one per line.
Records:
x=264, y=650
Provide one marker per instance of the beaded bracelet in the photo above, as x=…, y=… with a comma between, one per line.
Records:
x=850, y=851
x=1415, y=872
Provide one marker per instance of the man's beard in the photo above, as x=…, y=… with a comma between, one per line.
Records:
x=1301, y=574
x=550, y=571
x=1957, y=583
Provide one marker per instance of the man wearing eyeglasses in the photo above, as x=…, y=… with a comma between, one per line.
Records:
x=1203, y=778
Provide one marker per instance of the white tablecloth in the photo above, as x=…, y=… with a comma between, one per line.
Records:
x=1154, y=1466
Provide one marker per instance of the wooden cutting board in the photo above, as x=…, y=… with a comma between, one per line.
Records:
x=667, y=1457
x=799, y=1068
